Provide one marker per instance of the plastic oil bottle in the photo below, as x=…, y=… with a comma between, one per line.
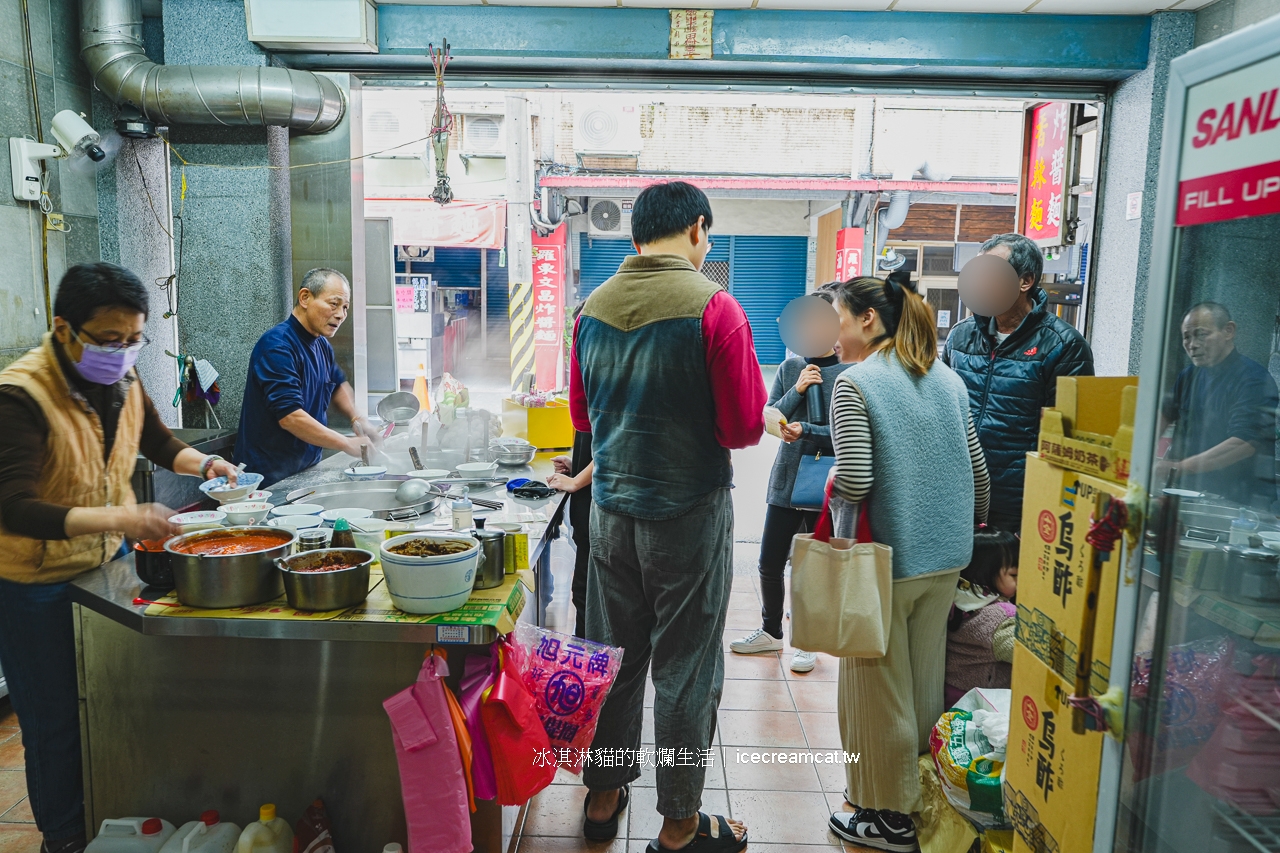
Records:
x=267, y=834
x=206, y=835
x=131, y=835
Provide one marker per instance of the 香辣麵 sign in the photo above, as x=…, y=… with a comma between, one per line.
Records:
x=1230, y=167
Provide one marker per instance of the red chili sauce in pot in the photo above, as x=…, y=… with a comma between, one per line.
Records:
x=230, y=544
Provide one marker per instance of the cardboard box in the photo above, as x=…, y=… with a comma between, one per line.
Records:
x=1051, y=774
x=1052, y=567
x=1090, y=427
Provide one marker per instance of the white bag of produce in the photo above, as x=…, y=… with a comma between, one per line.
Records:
x=968, y=747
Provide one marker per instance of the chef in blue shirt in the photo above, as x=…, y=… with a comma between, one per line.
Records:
x=1223, y=407
x=293, y=379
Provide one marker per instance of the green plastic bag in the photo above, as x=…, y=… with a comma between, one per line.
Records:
x=969, y=764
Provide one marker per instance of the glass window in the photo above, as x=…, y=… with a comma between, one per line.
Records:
x=939, y=260
x=1203, y=747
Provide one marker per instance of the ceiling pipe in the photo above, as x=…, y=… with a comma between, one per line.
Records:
x=895, y=214
x=233, y=96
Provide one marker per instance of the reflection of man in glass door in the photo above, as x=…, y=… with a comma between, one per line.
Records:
x=1224, y=410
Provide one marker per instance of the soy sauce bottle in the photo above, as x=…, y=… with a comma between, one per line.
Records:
x=342, y=535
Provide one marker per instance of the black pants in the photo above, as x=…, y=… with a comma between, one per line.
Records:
x=580, y=519
x=780, y=524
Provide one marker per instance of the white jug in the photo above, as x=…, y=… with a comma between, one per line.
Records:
x=206, y=835
x=131, y=835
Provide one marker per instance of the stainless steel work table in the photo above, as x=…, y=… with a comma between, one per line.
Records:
x=179, y=715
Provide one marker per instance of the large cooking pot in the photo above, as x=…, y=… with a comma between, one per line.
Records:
x=1252, y=575
x=217, y=581
x=376, y=495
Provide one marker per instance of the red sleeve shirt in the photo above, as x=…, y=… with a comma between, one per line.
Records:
x=737, y=387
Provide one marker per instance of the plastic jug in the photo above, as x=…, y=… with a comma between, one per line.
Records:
x=206, y=835
x=268, y=834
x=131, y=835
x=1242, y=527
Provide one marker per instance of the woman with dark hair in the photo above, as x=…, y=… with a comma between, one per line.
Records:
x=796, y=381
x=907, y=454
x=75, y=419
x=980, y=632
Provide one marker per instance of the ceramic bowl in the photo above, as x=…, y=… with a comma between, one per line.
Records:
x=296, y=522
x=252, y=512
x=429, y=584
x=350, y=513
x=477, y=469
x=218, y=490
x=429, y=474
x=296, y=509
x=364, y=472
x=259, y=496
x=193, y=521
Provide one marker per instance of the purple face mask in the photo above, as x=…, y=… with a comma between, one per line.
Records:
x=105, y=365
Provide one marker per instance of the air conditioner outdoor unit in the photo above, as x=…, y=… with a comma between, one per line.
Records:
x=606, y=128
x=484, y=136
x=392, y=129
x=609, y=217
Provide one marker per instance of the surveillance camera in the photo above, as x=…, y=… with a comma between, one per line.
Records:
x=76, y=136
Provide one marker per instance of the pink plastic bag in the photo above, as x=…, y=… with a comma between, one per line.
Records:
x=569, y=679
x=431, y=779
x=477, y=677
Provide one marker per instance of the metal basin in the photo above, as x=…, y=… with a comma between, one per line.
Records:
x=218, y=581
x=398, y=408
x=376, y=495
x=333, y=590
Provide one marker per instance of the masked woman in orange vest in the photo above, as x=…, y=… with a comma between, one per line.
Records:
x=75, y=417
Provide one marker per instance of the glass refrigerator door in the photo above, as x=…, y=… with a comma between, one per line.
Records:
x=1199, y=769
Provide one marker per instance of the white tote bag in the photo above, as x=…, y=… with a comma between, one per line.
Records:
x=841, y=590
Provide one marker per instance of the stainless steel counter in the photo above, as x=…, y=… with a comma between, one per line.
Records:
x=179, y=715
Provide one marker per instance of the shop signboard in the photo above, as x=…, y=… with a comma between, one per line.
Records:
x=849, y=244
x=1230, y=167
x=548, y=307
x=1046, y=178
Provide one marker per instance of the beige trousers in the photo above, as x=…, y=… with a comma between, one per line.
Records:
x=889, y=705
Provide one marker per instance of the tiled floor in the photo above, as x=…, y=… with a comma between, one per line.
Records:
x=17, y=827
x=765, y=706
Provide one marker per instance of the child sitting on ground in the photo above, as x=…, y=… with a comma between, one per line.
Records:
x=980, y=630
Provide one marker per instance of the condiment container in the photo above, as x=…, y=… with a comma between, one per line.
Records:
x=267, y=834
x=342, y=536
x=516, y=546
x=208, y=835
x=313, y=832
x=463, y=512
x=1242, y=527
x=131, y=835
x=492, y=569
x=313, y=539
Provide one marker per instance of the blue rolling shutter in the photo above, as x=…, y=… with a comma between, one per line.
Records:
x=496, y=284
x=765, y=274
x=598, y=259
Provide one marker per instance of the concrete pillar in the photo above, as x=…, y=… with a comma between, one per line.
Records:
x=1135, y=122
x=236, y=277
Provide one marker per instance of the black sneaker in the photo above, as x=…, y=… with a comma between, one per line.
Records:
x=75, y=844
x=878, y=828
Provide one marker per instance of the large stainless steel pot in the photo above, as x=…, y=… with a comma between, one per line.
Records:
x=376, y=495
x=321, y=591
x=231, y=580
x=1252, y=575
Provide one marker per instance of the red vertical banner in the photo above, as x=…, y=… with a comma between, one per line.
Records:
x=849, y=244
x=1043, y=200
x=548, y=307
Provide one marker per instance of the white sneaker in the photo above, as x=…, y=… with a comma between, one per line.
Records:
x=804, y=661
x=756, y=642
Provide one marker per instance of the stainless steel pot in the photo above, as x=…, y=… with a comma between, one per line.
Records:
x=492, y=570
x=230, y=580
x=335, y=590
x=1252, y=575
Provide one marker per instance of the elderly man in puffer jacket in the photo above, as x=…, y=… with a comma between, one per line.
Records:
x=1011, y=364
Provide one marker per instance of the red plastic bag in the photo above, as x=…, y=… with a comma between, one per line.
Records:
x=569, y=679
x=522, y=760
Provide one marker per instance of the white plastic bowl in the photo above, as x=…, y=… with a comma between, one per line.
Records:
x=203, y=520
x=365, y=472
x=295, y=522
x=350, y=513
x=296, y=509
x=252, y=512
x=429, y=584
x=217, y=487
x=369, y=533
x=478, y=469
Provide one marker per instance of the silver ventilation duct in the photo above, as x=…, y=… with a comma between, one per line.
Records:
x=111, y=45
